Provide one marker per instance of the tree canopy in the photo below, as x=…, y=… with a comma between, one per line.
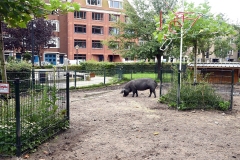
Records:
x=200, y=27
x=19, y=13
x=136, y=39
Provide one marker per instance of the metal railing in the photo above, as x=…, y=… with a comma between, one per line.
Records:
x=32, y=113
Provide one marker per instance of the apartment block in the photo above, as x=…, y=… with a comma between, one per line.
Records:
x=79, y=34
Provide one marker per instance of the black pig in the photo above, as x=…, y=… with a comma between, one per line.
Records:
x=140, y=85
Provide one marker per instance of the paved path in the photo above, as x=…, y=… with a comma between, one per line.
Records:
x=93, y=80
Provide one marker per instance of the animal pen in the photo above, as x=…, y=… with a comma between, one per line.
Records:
x=33, y=111
x=219, y=81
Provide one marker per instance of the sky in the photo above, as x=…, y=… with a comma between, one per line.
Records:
x=229, y=7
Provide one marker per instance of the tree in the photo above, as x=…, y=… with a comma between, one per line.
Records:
x=222, y=47
x=20, y=39
x=139, y=27
x=237, y=38
x=19, y=13
x=200, y=28
x=42, y=34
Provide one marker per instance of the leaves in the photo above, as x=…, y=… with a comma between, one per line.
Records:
x=139, y=28
x=19, y=13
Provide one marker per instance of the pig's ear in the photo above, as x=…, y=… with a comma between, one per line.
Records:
x=122, y=91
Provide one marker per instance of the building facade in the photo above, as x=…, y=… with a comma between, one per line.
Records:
x=79, y=35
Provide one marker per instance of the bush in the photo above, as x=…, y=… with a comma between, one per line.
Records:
x=198, y=96
x=18, y=69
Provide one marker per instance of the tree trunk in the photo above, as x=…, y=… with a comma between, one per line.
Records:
x=203, y=56
x=39, y=58
x=2, y=57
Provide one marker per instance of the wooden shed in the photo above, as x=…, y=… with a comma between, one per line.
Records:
x=218, y=72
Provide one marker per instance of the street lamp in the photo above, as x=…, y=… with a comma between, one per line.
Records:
x=76, y=47
x=32, y=37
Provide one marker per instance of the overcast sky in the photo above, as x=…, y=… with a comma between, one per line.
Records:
x=231, y=8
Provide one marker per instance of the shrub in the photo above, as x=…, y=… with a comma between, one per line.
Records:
x=194, y=96
x=18, y=69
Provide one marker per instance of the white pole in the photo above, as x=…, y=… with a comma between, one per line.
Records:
x=181, y=42
x=180, y=64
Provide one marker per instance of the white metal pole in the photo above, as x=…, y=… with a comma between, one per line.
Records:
x=181, y=42
x=180, y=64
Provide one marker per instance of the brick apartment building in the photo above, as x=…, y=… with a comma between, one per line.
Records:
x=79, y=34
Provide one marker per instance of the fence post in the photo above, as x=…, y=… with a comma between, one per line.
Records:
x=131, y=74
x=17, y=115
x=67, y=96
x=160, y=87
x=33, y=77
x=75, y=79
x=231, y=103
x=104, y=76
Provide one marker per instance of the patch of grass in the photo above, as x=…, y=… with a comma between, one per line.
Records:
x=140, y=75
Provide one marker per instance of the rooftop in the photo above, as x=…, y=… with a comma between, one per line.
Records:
x=216, y=65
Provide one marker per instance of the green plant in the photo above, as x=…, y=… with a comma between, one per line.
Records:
x=224, y=105
x=41, y=117
x=194, y=96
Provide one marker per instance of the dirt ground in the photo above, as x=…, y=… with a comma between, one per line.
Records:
x=104, y=125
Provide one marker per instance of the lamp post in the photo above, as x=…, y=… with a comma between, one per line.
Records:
x=76, y=47
x=32, y=37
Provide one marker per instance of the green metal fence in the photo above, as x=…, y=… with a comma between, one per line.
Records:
x=33, y=111
x=212, y=90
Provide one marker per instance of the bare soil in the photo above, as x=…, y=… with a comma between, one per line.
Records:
x=104, y=125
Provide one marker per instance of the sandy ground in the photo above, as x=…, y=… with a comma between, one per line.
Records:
x=104, y=125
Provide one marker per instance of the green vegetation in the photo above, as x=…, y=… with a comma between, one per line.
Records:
x=43, y=114
x=19, y=13
x=139, y=75
x=199, y=96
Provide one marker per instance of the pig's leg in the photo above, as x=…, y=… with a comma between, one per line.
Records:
x=136, y=93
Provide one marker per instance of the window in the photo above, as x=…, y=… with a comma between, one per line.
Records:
x=97, y=16
x=50, y=57
x=115, y=4
x=94, y=2
x=80, y=57
x=127, y=19
x=128, y=45
x=54, y=43
x=141, y=42
x=80, y=14
x=97, y=30
x=113, y=17
x=113, y=31
x=97, y=44
x=100, y=58
x=79, y=28
x=129, y=59
x=55, y=24
x=230, y=52
x=232, y=41
x=80, y=43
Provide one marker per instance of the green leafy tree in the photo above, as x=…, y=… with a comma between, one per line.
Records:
x=200, y=27
x=139, y=26
x=237, y=37
x=222, y=47
x=19, y=13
